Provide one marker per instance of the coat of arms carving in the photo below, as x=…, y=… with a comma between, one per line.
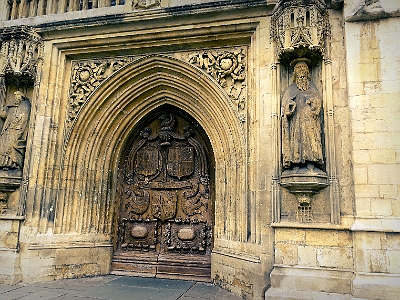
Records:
x=165, y=188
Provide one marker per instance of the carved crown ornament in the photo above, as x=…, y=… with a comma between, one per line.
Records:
x=21, y=51
x=300, y=24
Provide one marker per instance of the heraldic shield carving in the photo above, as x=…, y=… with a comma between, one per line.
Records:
x=165, y=203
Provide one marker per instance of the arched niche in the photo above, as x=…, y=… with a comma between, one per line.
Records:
x=100, y=132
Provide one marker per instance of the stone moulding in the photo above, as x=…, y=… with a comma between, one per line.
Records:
x=10, y=180
x=238, y=255
x=227, y=66
x=69, y=245
x=86, y=76
x=304, y=183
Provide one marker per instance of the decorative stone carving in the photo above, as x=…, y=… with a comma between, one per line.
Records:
x=228, y=68
x=165, y=192
x=302, y=149
x=21, y=50
x=3, y=202
x=145, y=3
x=299, y=24
x=86, y=76
x=13, y=134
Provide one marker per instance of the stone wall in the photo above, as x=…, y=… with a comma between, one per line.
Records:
x=373, y=90
x=96, y=80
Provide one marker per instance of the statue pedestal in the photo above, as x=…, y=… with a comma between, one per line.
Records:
x=304, y=181
x=10, y=181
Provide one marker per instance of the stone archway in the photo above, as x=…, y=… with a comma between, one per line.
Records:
x=165, y=199
x=115, y=112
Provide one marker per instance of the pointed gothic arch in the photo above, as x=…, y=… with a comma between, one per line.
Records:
x=112, y=112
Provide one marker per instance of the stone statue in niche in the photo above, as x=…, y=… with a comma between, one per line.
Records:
x=302, y=154
x=301, y=122
x=13, y=133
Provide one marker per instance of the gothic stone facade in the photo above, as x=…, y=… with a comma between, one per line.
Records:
x=251, y=143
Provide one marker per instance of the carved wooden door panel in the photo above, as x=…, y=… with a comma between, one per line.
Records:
x=165, y=218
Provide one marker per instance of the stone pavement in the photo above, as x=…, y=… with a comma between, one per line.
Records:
x=115, y=287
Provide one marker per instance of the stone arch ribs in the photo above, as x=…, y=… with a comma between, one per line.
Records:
x=89, y=176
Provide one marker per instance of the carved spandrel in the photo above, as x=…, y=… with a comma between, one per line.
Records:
x=86, y=76
x=229, y=68
x=166, y=182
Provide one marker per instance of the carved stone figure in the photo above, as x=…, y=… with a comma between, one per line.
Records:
x=13, y=133
x=301, y=122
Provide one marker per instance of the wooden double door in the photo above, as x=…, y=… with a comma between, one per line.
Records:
x=165, y=220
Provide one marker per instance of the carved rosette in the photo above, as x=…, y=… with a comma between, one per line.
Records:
x=229, y=68
x=86, y=76
x=21, y=51
x=300, y=24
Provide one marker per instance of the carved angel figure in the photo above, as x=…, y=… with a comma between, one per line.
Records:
x=301, y=122
x=13, y=133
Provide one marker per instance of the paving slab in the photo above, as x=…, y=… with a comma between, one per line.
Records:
x=113, y=287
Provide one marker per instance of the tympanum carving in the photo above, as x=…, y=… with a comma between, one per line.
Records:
x=165, y=192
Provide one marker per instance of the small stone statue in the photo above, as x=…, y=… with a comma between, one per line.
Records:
x=301, y=121
x=13, y=133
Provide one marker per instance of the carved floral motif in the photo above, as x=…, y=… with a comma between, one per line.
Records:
x=228, y=68
x=86, y=76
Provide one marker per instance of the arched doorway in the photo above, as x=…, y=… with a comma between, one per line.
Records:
x=165, y=199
